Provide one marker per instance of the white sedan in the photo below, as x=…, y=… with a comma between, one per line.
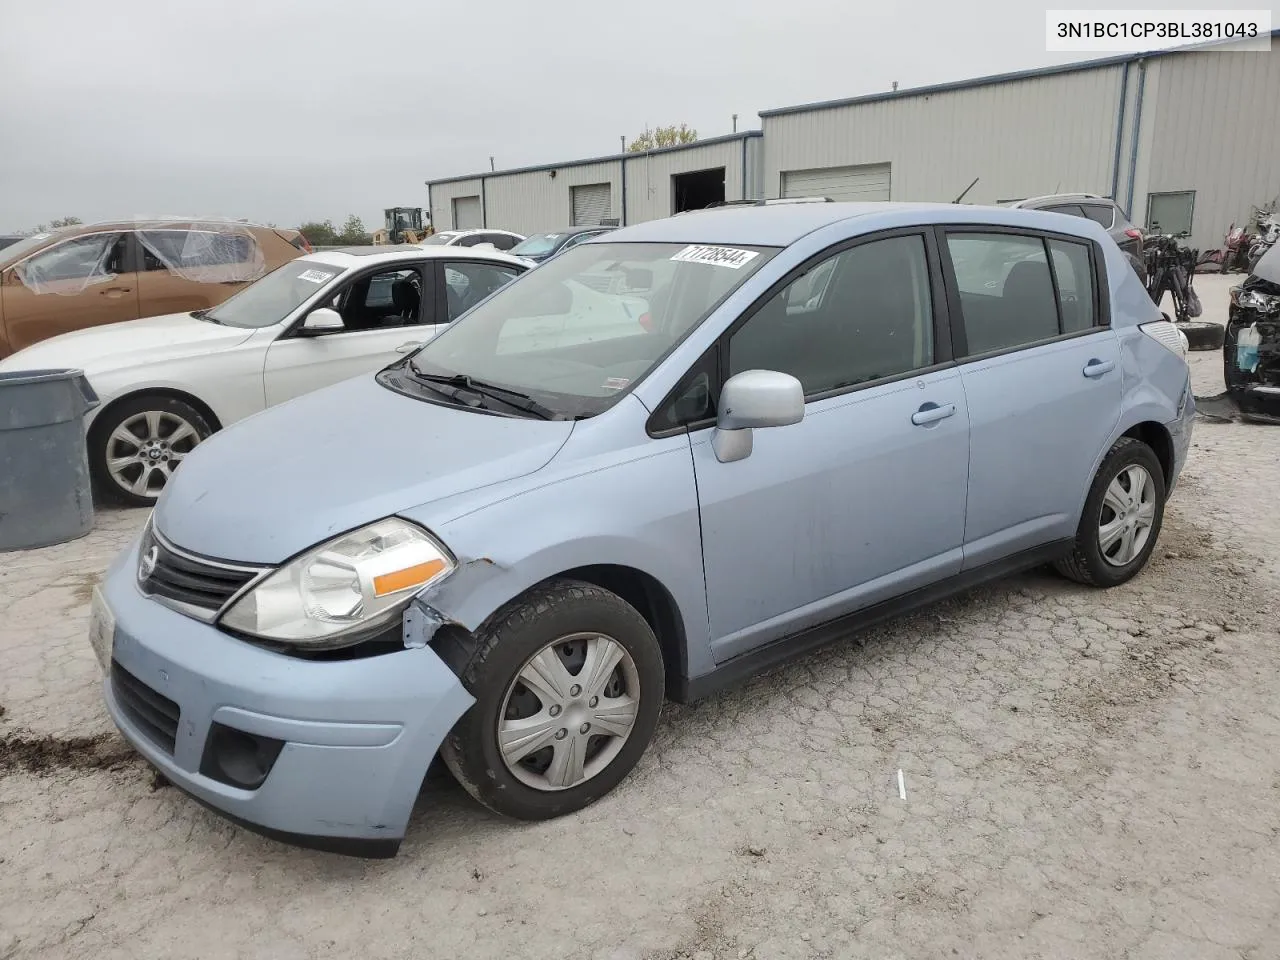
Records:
x=166, y=383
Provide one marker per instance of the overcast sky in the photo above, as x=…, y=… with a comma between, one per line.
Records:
x=286, y=111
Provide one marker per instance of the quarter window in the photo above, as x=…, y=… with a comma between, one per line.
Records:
x=1074, y=274
x=1104, y=215
x=861, y=315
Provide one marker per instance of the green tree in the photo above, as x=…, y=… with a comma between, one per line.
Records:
x=353, y=232
x=668, y=136
x=320, y=233
x=65, y=222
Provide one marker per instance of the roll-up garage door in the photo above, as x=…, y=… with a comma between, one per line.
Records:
x=866, y=182
x=591, y=204
x=467, y=214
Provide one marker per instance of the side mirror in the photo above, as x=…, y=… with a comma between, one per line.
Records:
x=750, y=400
x=320, y=321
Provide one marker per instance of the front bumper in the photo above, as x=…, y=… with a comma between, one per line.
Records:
x=358, y=734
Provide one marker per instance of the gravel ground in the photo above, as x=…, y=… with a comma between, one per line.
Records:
x=1087, y=774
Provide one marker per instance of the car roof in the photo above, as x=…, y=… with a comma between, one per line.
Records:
x=351, y=256
x=1063, y=198
x=784, y=224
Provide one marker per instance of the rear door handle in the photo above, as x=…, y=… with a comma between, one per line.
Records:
x=932, y=413
x=116, y=291
x=408, y=347
x=1096, y=368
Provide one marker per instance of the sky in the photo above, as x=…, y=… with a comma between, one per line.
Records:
x=285, y=111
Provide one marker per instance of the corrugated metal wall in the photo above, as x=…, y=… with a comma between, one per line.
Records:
x=1022, y=138
x=649, y=194
x=442, y=197
x=1215, y=130
x=536, y=201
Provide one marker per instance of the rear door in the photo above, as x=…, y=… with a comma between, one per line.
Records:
x=81, y=282
x=186, y=269
x=387, y=312
x=461, y=284
x=1041, y=372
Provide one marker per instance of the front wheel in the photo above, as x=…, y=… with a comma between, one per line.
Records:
x=568, y=682
x=1121, y=520
x=135, y=445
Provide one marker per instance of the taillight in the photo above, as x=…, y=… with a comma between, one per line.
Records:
x=646, y=321
x=1167, y=335
x=1133, y=234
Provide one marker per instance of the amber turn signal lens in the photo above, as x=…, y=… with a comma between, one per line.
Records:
x=408, y=577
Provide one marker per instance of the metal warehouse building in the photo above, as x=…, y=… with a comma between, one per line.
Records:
x=625, y=188
x=1183, y=139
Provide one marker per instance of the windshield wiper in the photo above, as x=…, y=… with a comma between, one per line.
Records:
x=204, y=315
x=512, y=398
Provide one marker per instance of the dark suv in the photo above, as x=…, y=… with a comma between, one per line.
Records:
x=1102, y=210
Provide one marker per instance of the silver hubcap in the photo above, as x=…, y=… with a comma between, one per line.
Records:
x=1128, y=514
x=569, y=711
x=144, y=450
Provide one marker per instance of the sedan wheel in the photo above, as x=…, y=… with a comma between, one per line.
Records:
x=568, y=680
x=569, y=711
x=135, y=447
x=1127, y=516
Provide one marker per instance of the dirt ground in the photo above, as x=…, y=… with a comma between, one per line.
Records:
x=1087, y=774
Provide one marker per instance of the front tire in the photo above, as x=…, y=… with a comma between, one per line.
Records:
x=568, y=681
x=136, y=444
x=1121, y=520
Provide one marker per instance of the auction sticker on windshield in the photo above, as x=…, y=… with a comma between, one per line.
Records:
x=315, y=276
x=729, y=257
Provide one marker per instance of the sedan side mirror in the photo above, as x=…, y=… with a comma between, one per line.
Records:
x=320, y=321
x=750, y=400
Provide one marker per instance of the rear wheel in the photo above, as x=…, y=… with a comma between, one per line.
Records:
x=135, y=445
x=1122, y=517
x=568, y=682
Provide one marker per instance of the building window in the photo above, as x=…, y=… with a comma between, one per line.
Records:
x=1170, y=212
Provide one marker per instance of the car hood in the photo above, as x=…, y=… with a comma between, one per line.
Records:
x=1268, y=268
x=336, y=459
x=115, y=345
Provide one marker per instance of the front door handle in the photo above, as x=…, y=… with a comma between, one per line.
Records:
x=932, y=413
x=1096, y=368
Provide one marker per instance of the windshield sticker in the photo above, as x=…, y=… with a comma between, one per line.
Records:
x=716, y=256
x=615, y=383
x=315, y=276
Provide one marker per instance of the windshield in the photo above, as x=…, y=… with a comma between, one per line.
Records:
x=538, y=245
x=271, y=299
x=579, y=331
x=440, y=238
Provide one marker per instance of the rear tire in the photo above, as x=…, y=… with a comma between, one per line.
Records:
x=1203, y=335
x=553, y=746
x=1113, y=519
x=136, y=444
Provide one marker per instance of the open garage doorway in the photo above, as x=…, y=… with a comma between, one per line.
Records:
x=693, y=191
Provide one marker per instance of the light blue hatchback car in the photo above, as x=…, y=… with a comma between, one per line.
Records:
x=666, y=459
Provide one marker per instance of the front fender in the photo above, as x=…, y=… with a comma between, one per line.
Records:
x=640, y=513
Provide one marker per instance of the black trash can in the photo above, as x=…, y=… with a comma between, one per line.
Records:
x=45, y=497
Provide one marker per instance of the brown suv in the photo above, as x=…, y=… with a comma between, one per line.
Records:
x=91, y=274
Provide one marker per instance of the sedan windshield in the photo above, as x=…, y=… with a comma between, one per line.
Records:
x=269, y=300
x=577, y=333
x=538, y=245
x=440, y=238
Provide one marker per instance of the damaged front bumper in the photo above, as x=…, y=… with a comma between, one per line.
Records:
x=324, y=754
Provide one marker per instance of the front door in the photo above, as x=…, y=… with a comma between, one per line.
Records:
x=864, y=498
x=1042, y=375
x=383, y=312
x=82, y=282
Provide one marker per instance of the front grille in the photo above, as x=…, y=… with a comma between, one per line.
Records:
x=152, y=713
x=195, y=585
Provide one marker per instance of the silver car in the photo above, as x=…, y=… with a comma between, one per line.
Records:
x=667, y=458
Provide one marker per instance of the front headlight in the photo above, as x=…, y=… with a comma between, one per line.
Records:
x=344, y=590
x=1255, y=299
